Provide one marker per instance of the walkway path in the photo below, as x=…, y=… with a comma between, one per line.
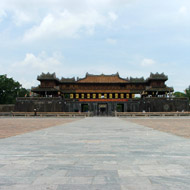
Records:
x=95, y=154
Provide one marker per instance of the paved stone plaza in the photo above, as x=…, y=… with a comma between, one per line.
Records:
x=95, y=154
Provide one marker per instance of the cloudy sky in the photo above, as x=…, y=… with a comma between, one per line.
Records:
x=72, y=37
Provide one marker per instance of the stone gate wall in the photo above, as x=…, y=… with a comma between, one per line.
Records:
x=132, y=105
x=7, y=107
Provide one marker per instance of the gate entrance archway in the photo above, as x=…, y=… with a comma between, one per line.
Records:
x=102, y=109
x=84, y=108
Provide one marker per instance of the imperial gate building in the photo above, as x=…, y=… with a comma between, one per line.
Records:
x=102, y=95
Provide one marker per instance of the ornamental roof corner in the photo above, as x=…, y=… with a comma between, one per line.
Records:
x=47, y=76
x=161, y=76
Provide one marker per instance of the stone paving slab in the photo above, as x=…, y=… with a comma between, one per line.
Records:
x=95, y=154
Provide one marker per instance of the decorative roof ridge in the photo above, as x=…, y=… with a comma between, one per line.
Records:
x=136, y=79
x=158, y=76
x=101, y=75
x=47, y=76
x=67, y=79
x=105, y=75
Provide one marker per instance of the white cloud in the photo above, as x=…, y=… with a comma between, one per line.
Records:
x=111, y=41
x=65, y=24
x=28, y=83
x=2, y=14
x=41, y=62
x=147, y=62
x=21, y=17
x=34, y=11
x=113, y=16
x=26, y=71
x=74, y=5
x=183, y=10
x=60, y=18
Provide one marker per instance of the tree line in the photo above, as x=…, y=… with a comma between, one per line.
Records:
x=10, y=90
x=185, y=94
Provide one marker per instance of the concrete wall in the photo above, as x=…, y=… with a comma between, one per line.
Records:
x=132, y=105
x=7, y=107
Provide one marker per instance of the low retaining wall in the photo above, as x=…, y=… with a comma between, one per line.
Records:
x=45, y=114
x=7, y=107
x=89, y=114
x=149, y=114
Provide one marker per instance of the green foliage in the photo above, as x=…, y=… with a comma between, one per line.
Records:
x=183, y=95
x=179, y=94
x=10, y=89
x=187, y=92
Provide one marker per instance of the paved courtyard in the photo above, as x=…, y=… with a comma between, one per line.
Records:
x=95, y=154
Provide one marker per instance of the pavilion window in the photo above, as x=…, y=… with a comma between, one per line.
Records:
x=88, y=96
x=116, y=95
x=82, y=96
x=127, y=95
x=122, y=96
x=110, y=96
x=71, y=96
x=99, y=96
x=133, y=95
x=77, y=96
x=94, y=96
x=105, y=95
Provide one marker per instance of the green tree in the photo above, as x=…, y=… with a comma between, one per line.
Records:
x=187, y=92
x=179, y=94
x=10, y=89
